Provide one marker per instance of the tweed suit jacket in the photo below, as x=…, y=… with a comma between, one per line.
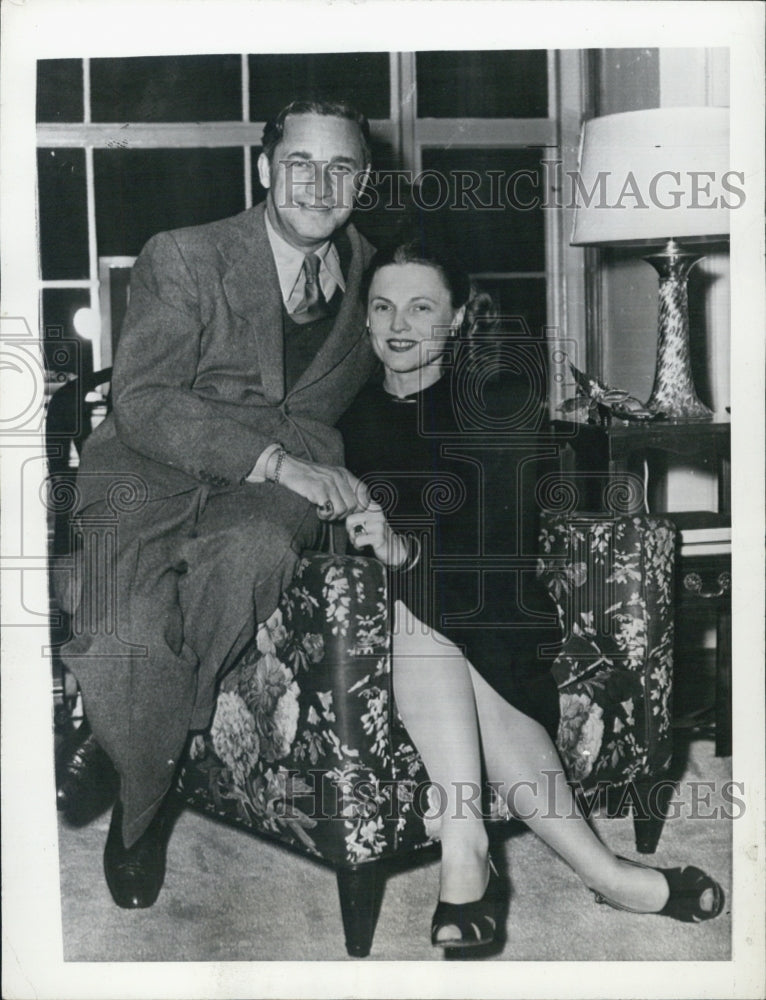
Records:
x=198, y=383
x=198, y=393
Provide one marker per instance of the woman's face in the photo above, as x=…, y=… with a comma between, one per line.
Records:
x=410, y=316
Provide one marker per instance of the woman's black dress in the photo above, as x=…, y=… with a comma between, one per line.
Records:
x=458, y=466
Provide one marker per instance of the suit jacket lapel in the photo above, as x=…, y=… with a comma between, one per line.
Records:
x=252, y=289
x=251, y=285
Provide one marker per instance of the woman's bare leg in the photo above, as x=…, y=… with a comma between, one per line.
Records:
x=434, y=696
x=522, y=759
x=440, y=696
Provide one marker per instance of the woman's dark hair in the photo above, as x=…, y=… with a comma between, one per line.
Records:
x=274, y=128
x=480, y=309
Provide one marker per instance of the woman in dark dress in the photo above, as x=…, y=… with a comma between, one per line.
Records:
x=448, y=448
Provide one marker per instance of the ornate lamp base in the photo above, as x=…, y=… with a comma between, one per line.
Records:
x=673, y=394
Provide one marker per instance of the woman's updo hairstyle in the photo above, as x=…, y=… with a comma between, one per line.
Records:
x=480, y=310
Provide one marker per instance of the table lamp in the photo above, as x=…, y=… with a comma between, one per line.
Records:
x=659, y=179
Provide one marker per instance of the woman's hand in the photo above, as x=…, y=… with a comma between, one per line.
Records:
x=370, y=527
x=335, y=491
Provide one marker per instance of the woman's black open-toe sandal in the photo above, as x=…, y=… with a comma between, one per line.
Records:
x=686, y=887
x=475, y=923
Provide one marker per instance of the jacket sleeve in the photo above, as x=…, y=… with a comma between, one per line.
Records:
x=157, y=412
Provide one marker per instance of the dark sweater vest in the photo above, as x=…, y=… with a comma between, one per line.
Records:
x=303, y=340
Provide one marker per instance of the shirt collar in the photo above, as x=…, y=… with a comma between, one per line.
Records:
x=289, y=261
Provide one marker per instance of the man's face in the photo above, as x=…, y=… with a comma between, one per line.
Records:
x=317, y=169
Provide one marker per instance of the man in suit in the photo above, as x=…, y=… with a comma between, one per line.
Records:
x=243, y=343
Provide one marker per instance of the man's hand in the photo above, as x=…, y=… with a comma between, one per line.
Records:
x=335, y=491
x=370, y=527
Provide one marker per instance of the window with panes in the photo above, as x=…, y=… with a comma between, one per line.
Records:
x=131, y=146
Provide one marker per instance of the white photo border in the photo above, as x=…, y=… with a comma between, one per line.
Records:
x=35, y=29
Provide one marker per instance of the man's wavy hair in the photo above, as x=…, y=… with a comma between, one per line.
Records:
x=274, y=129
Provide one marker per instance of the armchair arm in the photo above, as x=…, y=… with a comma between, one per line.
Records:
x=302, y=744
x=611, y=579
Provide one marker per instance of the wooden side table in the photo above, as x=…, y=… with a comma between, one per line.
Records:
x=604, y=456
x=707, y=441
x=703, y=597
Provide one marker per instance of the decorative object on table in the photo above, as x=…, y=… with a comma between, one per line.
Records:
x=603, y=402
x=660, y=178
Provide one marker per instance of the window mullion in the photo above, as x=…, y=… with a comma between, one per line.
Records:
x=90, y=195
x=496, y=132
x=247, y=149
x=86, y=111
x=404, y=110
x=149, y=135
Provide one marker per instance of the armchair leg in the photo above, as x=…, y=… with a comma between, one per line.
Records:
x=356, y=888
x=649, y=813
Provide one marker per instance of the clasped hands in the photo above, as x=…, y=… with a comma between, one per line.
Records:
x=338, y=494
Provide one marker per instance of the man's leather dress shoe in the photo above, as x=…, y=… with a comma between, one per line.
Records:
x=135, y=874
x=86, y=781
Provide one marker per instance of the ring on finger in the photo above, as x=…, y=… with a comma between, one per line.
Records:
x=327, y=507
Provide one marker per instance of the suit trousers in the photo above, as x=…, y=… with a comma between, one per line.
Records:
x=168, y=594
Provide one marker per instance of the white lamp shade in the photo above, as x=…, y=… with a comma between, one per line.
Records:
x=649, y=176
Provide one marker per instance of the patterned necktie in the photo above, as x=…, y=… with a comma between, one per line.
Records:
x=313, y=306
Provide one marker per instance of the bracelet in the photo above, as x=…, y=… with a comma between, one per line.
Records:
x=411, y=561
x=278, y=467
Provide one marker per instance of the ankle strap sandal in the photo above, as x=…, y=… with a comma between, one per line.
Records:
x=686, y=888
x=476, y=922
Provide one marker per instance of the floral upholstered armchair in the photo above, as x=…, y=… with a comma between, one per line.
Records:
x=611, y=579
x=307, y=748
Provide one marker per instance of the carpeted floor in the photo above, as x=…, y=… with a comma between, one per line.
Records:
x=229, y=896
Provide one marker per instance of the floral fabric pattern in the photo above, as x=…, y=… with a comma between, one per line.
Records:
x=234, y=737
x=581, y=731
x=270, y=693
x=611, y=579
x=306, y=745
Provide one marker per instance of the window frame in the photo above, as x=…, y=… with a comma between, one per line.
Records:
x=404, y=132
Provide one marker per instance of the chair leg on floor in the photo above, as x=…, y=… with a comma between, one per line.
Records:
x=650, y=809
x=356, y=888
